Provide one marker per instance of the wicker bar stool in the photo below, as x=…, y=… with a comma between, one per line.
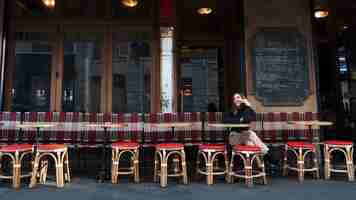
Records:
x=248, y=154
x=59, y=153
x=210, y=153
x=300, y=149
x=346, y=147
x=118, y=149
x=162, y=154
x=16, y=152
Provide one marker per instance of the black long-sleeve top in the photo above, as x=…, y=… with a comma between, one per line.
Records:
x=242, y=115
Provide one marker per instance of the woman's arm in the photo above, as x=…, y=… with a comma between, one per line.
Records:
x=249, y=115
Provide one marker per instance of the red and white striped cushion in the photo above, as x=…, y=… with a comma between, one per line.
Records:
x=338, y=142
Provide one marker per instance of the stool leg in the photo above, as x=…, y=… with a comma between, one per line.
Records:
x=163, y=172
x=231, y=173
x=209, y=169
x=118, y=157
x=326, y=162
x=300, y=164
x=33, y=181
x=114, y=166
x=285, y=161
x=155, y=172
x=16, y=168
x=59, y=170
x=316, y=164
x=136, y=166
x=262, y=166
x=227, y=171
x=349, y=163
x=43, y=171
x=248, y=170
x=66, y=162
x=184, y=168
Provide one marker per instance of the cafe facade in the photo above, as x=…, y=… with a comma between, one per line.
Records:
x=157, y=56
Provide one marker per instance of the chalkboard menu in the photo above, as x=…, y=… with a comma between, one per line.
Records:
x=279, y=67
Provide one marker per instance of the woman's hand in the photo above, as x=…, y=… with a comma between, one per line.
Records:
x=246, y=102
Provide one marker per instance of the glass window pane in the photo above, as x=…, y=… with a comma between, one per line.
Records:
x=32, y=75
x=82, y=72
x=131, y=65
x=201, y=82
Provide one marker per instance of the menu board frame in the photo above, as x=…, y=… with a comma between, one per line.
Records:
x=280, y=67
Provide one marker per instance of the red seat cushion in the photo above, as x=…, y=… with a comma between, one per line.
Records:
x=170, y=146
x=215, y=147
x=125, y=145
x=51, y=147
x=248, y=148
x=338, y=142
x=300, y=144
x=16, y=147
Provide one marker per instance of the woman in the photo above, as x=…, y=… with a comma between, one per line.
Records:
x=243, y=113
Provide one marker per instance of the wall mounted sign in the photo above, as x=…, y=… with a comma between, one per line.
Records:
x=279, y=67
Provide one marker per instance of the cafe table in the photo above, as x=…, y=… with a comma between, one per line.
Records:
x=173, y=125
x=228, y=126
x=35, y=125
x=104, y=172
x=310, y=125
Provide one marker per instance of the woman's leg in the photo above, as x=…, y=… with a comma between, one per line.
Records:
x=236, y=138
x=253, y=139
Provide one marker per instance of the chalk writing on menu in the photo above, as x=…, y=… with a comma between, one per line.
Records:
x=279, y=67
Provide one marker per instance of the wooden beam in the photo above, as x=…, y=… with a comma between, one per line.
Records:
x=54, y=73
x=155, y=70
x=57, y=71
x=108, y=66
x=10, y=61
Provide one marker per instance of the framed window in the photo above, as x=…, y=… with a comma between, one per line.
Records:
x=82, y=72
x=201, y=80
x=131, y=71
x=31, y=82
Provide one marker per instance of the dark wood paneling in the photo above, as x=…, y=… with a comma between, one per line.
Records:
x=9, y=55
x=2, y=48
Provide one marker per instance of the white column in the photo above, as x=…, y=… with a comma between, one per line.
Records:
x=166, y=69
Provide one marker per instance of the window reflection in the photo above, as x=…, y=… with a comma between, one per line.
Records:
x=32, y=76
x=201, y=82
x=131, y=67
x=82, y=72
